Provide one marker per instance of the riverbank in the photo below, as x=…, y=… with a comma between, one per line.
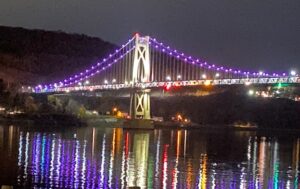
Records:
x=67, y=121
x=53, y=120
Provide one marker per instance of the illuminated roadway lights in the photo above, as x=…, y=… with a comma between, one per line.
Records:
x=168, y=78
x=217, y=75
x=114, y=81
x=105, y=82
x=203, y=76
x=293, y=73
x=247, y=83
x=207, y=83
x=178, y=77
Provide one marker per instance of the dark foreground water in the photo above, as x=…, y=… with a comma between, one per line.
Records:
x=116, y=158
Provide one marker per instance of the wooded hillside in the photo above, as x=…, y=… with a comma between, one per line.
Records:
x=34, y=56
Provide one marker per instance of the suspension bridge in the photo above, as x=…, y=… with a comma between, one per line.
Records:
x=144, y=63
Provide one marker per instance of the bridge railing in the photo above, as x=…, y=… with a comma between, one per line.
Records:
x=201, y=82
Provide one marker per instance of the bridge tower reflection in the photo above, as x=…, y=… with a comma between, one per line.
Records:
x=138, y=163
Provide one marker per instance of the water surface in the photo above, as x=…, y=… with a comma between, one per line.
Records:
x=95, y=157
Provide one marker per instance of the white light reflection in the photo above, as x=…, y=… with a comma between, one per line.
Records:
x=102, y=162
x=254, y=163
x=58, y=163
x=175, y=172
x=157, y=159
x=52, y=162
x=77, y=164
x=83, y=166
x=20, y=151
x=26, y=156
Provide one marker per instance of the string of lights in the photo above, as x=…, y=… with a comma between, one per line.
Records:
x=65, y=83
x=91, y=71
x=189, y=59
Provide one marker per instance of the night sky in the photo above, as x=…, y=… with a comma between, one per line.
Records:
x=248, y=34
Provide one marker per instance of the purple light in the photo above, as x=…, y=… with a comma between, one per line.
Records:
x=191, y=60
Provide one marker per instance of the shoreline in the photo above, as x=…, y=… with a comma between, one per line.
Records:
x=112, y=122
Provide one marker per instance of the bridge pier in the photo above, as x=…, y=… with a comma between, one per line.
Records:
x=140, y=104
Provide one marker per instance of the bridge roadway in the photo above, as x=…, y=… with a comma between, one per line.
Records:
x=243, y=81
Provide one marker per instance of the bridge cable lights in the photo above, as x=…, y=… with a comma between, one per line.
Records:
x=181, y=56
x=92, y=70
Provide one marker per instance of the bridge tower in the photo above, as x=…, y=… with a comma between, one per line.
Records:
x=140, y=98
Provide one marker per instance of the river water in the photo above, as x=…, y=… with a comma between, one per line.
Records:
x=95, y=157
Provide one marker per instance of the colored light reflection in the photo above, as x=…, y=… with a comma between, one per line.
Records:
x=151, y=160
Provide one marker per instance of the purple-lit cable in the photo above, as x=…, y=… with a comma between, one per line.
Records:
x=104, y=66
x=181, y=56
x=88, y=72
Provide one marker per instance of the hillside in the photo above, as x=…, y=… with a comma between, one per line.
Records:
x=35, y=56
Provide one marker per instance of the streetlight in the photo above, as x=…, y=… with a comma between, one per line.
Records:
x=114, y=80
x=204, y=76
x=217, y=75
x=87, y=82
x=251, y=92
x=293, y=73
x=168, y=78
x=178, y=77
x=105, y=81
x=79, y=83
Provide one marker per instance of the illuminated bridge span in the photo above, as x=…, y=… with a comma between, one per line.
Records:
x=144, y=63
